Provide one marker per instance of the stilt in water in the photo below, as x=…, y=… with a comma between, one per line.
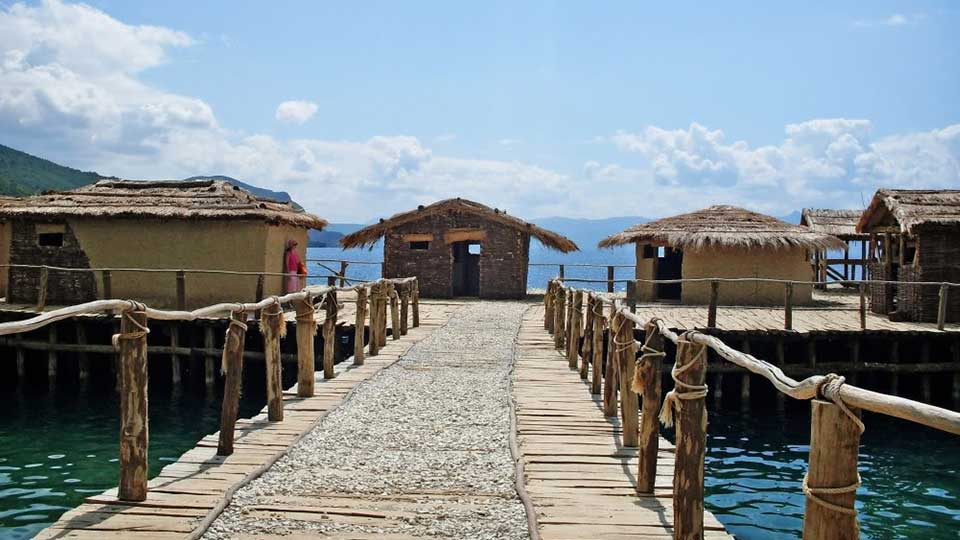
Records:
x=925, y=378
x=52, y=355
x=209, y=375
x=83, y=360
x=895, y=359
x=854, y=361
x=175, y=376
x=781, y=360
x=745, y=381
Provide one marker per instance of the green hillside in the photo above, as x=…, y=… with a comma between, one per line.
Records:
x=23, y=174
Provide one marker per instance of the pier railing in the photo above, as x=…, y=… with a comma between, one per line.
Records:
x=578, y=318
x=373, y=298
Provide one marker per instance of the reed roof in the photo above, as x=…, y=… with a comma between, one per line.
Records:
x=371, y=234
x=839, y=223
x=909, y=209
x=193, y=199
x=723, y=226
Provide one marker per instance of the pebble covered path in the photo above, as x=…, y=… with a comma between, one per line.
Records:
x=420, y=450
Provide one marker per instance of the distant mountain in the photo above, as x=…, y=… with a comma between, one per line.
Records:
x=22, y=174
x=587, y=232
x=281, y=196
x=330, y=236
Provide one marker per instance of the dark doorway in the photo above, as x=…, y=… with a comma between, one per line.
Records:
x=669, y=266
x=466, y=268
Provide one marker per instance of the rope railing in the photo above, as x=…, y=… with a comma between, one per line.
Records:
x=832, y=479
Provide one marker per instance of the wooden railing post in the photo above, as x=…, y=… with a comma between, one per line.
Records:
x=258, y=295
x=416, y=303
x=404, y=308
x=863, y=306
x=610, y=274
x=561, y=271
x=691, y=443
x=42, y=288
x=374, y=303
x=587, y=333
x=343, y=273
x=788, y=306
x=134, y=431
x=559, y=308
x=597, y=349
x=209, y=370
x=272, y=327
x=568, y=325
x=712, y=308
x=359, y=326
x=832, y=478
x=632, y=295
x=385, y=291
x=181, y=290
x=306, y=330
x=548, y=307
x=394, y=312
x=107, y=284
x=175, y=375
x=610, y=368
x=576, y=322
x=330, y=333
x=331, y=281
x=942, y=307
x=233, y=381
x=629, y=403
x=650, y=372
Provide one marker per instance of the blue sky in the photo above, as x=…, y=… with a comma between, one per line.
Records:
x=546, y=108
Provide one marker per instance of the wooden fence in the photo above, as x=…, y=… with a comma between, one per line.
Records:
x=619, y=373
x=402, y=295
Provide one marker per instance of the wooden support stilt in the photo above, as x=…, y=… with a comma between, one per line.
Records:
x=576, y=329
x=596, y=350
x=863, y=306
x=610, y=368
x=942, y=307
x=788, y=306
x=404, y=308
x=834, y=443
x=712, y=308
x=358, y=326
x=209, y=361
x=181, y=290
x=561, y=272
x=854, y=360
x=134, y=431
x=925, y=389
x=717, y=390
x=330, y=334
x=559, y=327
x=568, y=325
x=416, y=303
x=610, y=278
x=175, y=372
x=42, y=288
x=587, y=347
x=385, y=290
x=691, y=444
x=343, y=273
x=83, y=359
x=894, y=376
x=781, y=360
x=632, y=295
x=629, y=402
x=233, y=380
x=107, y=279
x=272, y=327
x=258, y=295
x=955, y=354
x=548, y=307
x=745, y=381
x=394, y=313
x=52, y=354
x=374, y=304
x=306, y=330
x=650, y=374
x=331, y=281
x=21, y=365
x=812, y=353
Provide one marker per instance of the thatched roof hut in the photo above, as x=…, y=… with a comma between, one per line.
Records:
x=722, y=242
x=458, y=247
x=197, y=224
x=839, y=223
x=909, y=210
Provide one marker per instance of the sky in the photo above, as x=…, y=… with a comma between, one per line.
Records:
x=363, y=109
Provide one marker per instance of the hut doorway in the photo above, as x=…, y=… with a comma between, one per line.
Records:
x=669, y=266
x=466, y=268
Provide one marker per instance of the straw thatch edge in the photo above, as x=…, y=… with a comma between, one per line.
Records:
x=841, y=223
x=913, y=208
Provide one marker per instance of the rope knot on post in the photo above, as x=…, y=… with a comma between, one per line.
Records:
x=683, y=391
x=828, y=388
x=141, y=330
x=812, y=493
x=230, y=340
x=647, y=353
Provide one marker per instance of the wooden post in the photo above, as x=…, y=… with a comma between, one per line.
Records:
x=610, y=278
x=834, y=442
x=343, y=273
x=209, y=370
x=181, y=290
x=854, y=360
x=385, y=290
x=404, y=308
x=610, y=370
x=846, y=262
x=812, y=353
x=358, y=326
x=745, y=380
x=134, y=431
x=559, y=328
x=83, y=359
x=717, y=390
x=107, y=285
x=258, y=296
x=942, y=307
x=394, y=313
x=330, y=334
x=629, y=403
x=548, y=307
x=175, y=376
x=895, y=359
x=586, y=351
x=781, y=360
x=568, y=325
x=233, y=372
x=632, y=296
x=712, y=308
x=863, y=306
x=955, y=356
x=272, y=327
x=596, y=349
x=691, y=443
x=331, y=281
x=416, y=303
x=561, y=272
x=42, y=288
x=21, y=363
x=788, y=306
x=52, y=354
x=651, y=373
x=306, y=330
x=374, y=303
x=576, y=328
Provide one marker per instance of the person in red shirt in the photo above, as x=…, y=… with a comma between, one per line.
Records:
x=294, y=267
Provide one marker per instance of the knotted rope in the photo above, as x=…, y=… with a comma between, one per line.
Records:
x=829, y=388
x=812, y=492
x=308, y=315
x=230, y=340
x=682, y=391
x=141, y=330
x=648, y=353
x=266, y=327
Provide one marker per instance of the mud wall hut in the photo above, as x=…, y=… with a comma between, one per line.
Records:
x=202, y=224
x=458, y=247
x=914, y=236
x=723, y=242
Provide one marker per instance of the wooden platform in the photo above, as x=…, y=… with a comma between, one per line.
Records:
x=196, y=485
x=580, y=479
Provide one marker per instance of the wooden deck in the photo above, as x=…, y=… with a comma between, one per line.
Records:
x=580, y=478
x=199, y=483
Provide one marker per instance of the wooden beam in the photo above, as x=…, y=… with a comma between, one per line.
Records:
x=691, y=444
x=650, y=373
x=359, y=325
x=272, y=327
x=629, y=402
x=330, y=334
x=306, y=330
x=834, y=443
x=233, y=381
x=134, y=417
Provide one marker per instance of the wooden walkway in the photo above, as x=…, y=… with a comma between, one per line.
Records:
x=580, y=478
x=199, y=484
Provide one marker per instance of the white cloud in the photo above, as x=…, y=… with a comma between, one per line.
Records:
x=296, y=111
x=895, y=20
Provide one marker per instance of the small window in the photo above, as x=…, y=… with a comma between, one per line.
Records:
x=50, y=239
x=473, y=249
x=420, y=246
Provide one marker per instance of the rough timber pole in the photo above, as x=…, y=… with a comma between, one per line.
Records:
x=691, y=442
x=134, y=434
x=629, y=403
x=233, y=380
x=863, y=306
x=568, y=338
x=548, y=308
x=82, y=358
x=576, y=320
x=834, y=441
x=587, y=348
x=343, y=273
x=374, y=309
x=385, y=291
x=358, y=326
x=416, y=303
x=306, y=329
x=610, y=370
x=209, y=370
x=596, y=350
x=394, y=313
x=42, y=288
x=52, y=354
x=942, y=307
x=329, y=334
x=712, y=308
x=404, y=308
x=272, y=327
x=610, y=278
x=559, y=309
x=181, y=290
x=175, y=376
x=650, y=374
x=788, y=306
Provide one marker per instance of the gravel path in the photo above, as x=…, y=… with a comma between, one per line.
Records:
x=421, y=449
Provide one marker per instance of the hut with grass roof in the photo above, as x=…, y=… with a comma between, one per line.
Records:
x=201, y=224
x=723, y=242
x=458, y=247
x=914, y=237
x=843, y=225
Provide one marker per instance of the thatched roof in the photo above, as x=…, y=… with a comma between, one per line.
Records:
x=370, y=235
x=912, y=208
x=196, y=199
x=839, y=223
x=723, y=226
